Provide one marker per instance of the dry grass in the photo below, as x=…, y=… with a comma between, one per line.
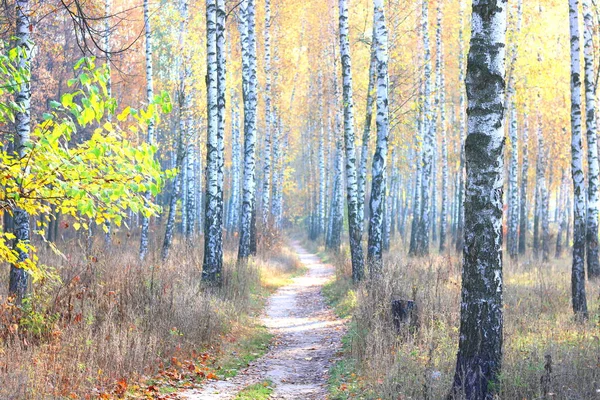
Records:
x=419, y=363
x=116, y=319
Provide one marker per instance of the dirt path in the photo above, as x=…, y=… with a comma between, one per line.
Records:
x=307, y=335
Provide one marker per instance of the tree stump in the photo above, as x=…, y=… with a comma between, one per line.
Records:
x=404, y=312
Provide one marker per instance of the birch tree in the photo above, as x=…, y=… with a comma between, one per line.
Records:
x=428, y=145
x=354, y=223
x=480, y=344
x=524, y=207
x=266, y=192
x=441, y=85
x=379, y=168
x=362, y=169
x=593, y=200
x=149, y=96
x=248, y=36
x=579, y=212
x=462, y=131
x=213, y=251
x=19, y=277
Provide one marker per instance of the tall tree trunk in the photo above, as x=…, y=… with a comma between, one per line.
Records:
x=322, y=177
x=513, y=204
x=460, y=223
x=354, y=223
x=379, y=168
x=248, y=24
x=191, y=190
x=150, y=97
x=562, y=221
x=442, y=109
x=428, y=145
x=545, y=217
x=579, y=220
x=480, y=345
x=213, y=242
x=593, y=261
x=19, y=277
x=108, y=233
x=364, y=153
x=539, y=181
x=266, y=192
x=524, y=207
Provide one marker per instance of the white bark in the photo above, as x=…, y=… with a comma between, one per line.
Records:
x=480, y=339
x=579, y=220
x=247, y=25
x=266, y=156
x=379, y=168
x=593, y=200
x=354, y=224
x=19, y=278
x=149, y=97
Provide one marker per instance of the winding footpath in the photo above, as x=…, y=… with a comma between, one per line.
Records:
x=307, y=338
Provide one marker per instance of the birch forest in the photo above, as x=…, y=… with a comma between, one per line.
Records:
x=299, y=199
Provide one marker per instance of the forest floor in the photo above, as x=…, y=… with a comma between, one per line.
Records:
x=307, y=338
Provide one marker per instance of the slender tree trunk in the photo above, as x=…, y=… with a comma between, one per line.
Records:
x=593, y=261
x=266, y=192
x=513, y=224
x=523, y=213
x=545, y=219
x=480, y=345
x=107, y=3
x=213, y=251
x=579, y=220
x=539, y=182
x=442, y=109
x=562, y=222
x=379, y=168
x=150, y=97
x=428, y=145
x=364, y=153
x=460, y=223
x=354, y=223
x=19, y=277
x=248, y=36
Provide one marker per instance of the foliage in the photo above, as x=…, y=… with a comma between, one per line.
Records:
x=94, y=181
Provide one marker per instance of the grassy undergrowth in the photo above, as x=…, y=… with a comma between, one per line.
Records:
x=114, y=326
x=539, y=331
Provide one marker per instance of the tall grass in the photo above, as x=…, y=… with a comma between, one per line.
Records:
x=112, y=318
x=546, y=353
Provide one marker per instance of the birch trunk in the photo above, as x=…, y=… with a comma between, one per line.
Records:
x=513, y=223
x=266, y=192
x=234, y=202
x=149, y=96
x=379, y=168
x=524, y=208
x=539, y=182
x=248, y=36
x=442, y=110
x=422, y=242
x=19, y=277
x=213, y=250
x=593, y=262
x=579, y=220
x=460, y=223
x=480, y=345
x=364, y=153
x=354, y=223
x=562, y=221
